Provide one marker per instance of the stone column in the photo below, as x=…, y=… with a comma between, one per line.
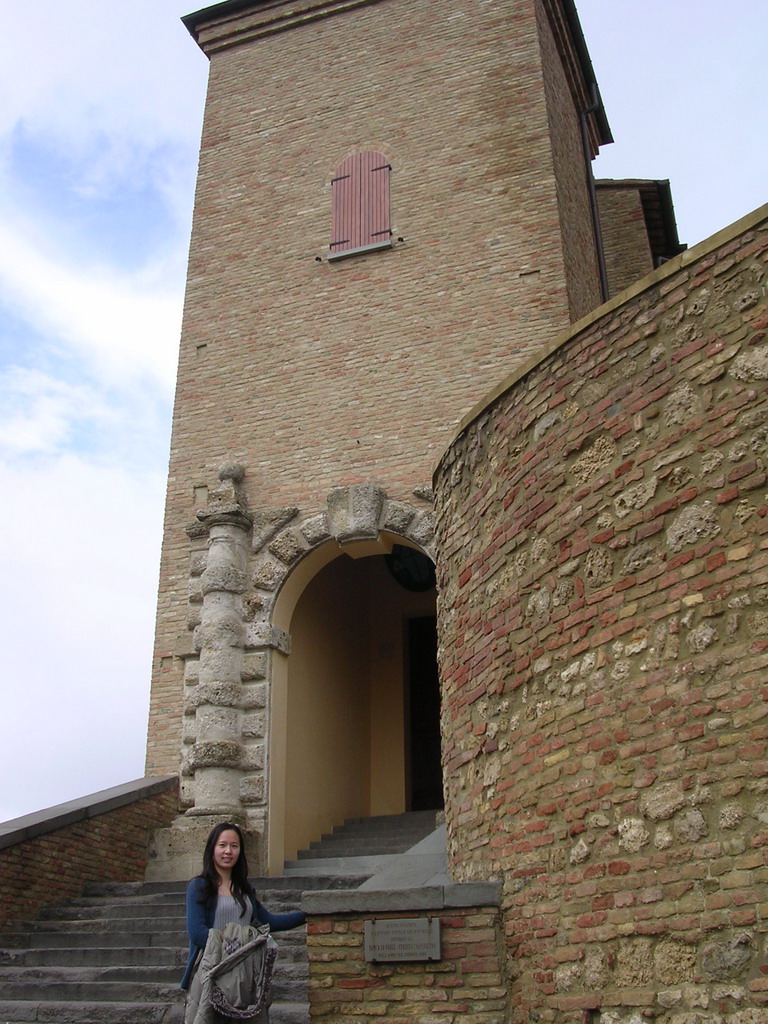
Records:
x=216, y=757
x=216, y=760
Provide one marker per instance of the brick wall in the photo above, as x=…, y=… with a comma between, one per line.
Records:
x=625, y=235
x=570, y=170
x=315, y=374
x=465, y=986
x=43, y=869
x=602, y=528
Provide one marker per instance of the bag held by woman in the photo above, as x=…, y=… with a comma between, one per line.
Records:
x=235, y=973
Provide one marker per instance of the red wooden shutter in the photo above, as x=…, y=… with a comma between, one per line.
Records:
x=360, y=201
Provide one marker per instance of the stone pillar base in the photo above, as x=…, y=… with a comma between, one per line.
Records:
x=176, y=854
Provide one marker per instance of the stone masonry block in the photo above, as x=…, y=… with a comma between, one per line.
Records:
x=354, y=512
x=422, y=530
x=268, y=574
x=315, y=529
x=216, y=754
x=252, y=789
x=218, y=694
x=287, y=547
x=254, y=696
x=253, y=666
x=267, y=522
x=397, y=517
x=252, y=757
x=254, y=725
x=263, y=634
x=224, y=577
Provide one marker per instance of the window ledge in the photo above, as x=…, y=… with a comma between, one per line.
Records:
x=332, y=256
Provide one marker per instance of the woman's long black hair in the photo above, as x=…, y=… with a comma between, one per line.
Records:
x=241, y=887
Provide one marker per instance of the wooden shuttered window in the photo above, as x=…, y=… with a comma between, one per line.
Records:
x=360, y=200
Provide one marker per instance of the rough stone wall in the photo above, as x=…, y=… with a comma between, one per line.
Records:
x=625, y=236
x=316, y=375
x=42, y=870
x=465, y=987
x=602, y=536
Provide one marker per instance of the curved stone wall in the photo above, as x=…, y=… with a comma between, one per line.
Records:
x=602, y=545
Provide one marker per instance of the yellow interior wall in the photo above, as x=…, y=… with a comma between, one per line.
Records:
x=328, y=742
x=340, y=703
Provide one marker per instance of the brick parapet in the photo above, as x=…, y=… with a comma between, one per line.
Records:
x=51, y=856
x=466, y=986
x=602, y=538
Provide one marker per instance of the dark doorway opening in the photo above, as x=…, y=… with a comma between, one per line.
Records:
x=425, y=771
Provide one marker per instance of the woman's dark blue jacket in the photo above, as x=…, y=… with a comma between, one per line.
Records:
x=200, y=920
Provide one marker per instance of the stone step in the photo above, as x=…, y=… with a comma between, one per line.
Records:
x=366, y=830
x=114, y=992
x=291, y=945
x=359, y=868
x=352, y=848
x=98, y=991
x=76, y=974
x=390, y=822
x=79, y=974
x=165, y=911
x=170, y=928
x=125, y=1013
x=402, y=838
x=365, y=837
x=141, y=920
x=82, y=940
x=104, y=956
x=176, y=890
x=93, y=1012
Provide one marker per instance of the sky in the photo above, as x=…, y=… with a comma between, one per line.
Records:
x=100, y=113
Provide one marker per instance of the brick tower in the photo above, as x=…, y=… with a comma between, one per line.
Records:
x=394, y=208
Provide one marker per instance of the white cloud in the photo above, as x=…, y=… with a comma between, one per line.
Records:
x=101, y=105
x=79, y=565
x=98, y=142
x=38, y=411
x=126, y=325
x=93, y=67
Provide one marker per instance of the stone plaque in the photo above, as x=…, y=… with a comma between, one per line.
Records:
x=405, y=938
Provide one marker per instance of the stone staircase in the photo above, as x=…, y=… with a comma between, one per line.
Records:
x=115, y=955
x=363, y=842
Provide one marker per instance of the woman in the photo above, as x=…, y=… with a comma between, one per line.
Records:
x=222, y=894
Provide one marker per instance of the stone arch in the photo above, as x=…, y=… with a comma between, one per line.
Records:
x=359, y=521
x=354, y=515
x=243, y=567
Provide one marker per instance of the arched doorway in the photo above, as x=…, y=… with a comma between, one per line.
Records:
x=357, y=699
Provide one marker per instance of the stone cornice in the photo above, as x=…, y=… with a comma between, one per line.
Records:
x=240, y=21
x=234, y=22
